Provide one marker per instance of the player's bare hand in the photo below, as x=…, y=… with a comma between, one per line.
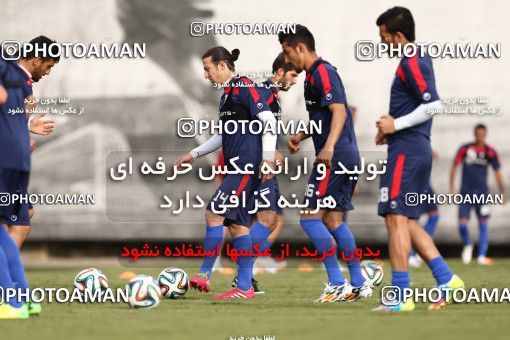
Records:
x=32, y=145
x=380, y=138
x=293, y=144
x=386, y=125
x=267, y=165
x=40, y=126
x=325, y=156
x=186, y=158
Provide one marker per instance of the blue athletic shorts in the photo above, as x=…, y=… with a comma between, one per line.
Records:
x=339, y=186
x=406, y=177
x=241, y=184
x=12, y=184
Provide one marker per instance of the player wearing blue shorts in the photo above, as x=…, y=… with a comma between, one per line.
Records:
x=19, y=230
x=406, y=130
x=241, y=102
x=270, y=220
x=326, y=103
x=476, y=157
x=284, y=77
x=15, y=86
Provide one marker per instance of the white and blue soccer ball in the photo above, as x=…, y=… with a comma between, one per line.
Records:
x=373, y=272
x=143, y=292
x=173, y=282
x=91, y=280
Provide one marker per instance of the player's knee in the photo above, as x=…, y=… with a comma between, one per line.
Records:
x=212, y=219
x=280, y=221
x=332, y=221
x=237, y=230
x=268, y=218
x=307, y=215
x=19, y=233
x=396, y=222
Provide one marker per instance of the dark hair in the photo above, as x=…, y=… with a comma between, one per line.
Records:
x=398, y=19
x=279, y=62
x=42, y=45
x=301, y=35
x=220, y=53
x=480, y=126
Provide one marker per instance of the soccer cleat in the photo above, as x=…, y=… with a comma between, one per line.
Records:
x=334, y=293
x=358, y=293
x=9, y=312
x=454, y=283
x=34, y=308
x=484, y=261
x=237, y=293
x=407, y=306
x=201, y=282
x=270, y=264
x=467, y=254
x=254, y=284
x=415, y=261
x=217, y=265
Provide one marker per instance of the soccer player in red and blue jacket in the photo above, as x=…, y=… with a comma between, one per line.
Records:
x=241, y=102
x=406, y=130
x=16, y=79
x=326, y=103
x=476, y=157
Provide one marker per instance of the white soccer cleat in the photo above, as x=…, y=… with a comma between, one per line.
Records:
x=467, y=254
x=358, y=293
x=270, y=264
x=217, y=265
x=415, y=261
x=484, y=261
x=335, y=293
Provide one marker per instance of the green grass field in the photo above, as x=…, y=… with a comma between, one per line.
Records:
x=286, y=311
